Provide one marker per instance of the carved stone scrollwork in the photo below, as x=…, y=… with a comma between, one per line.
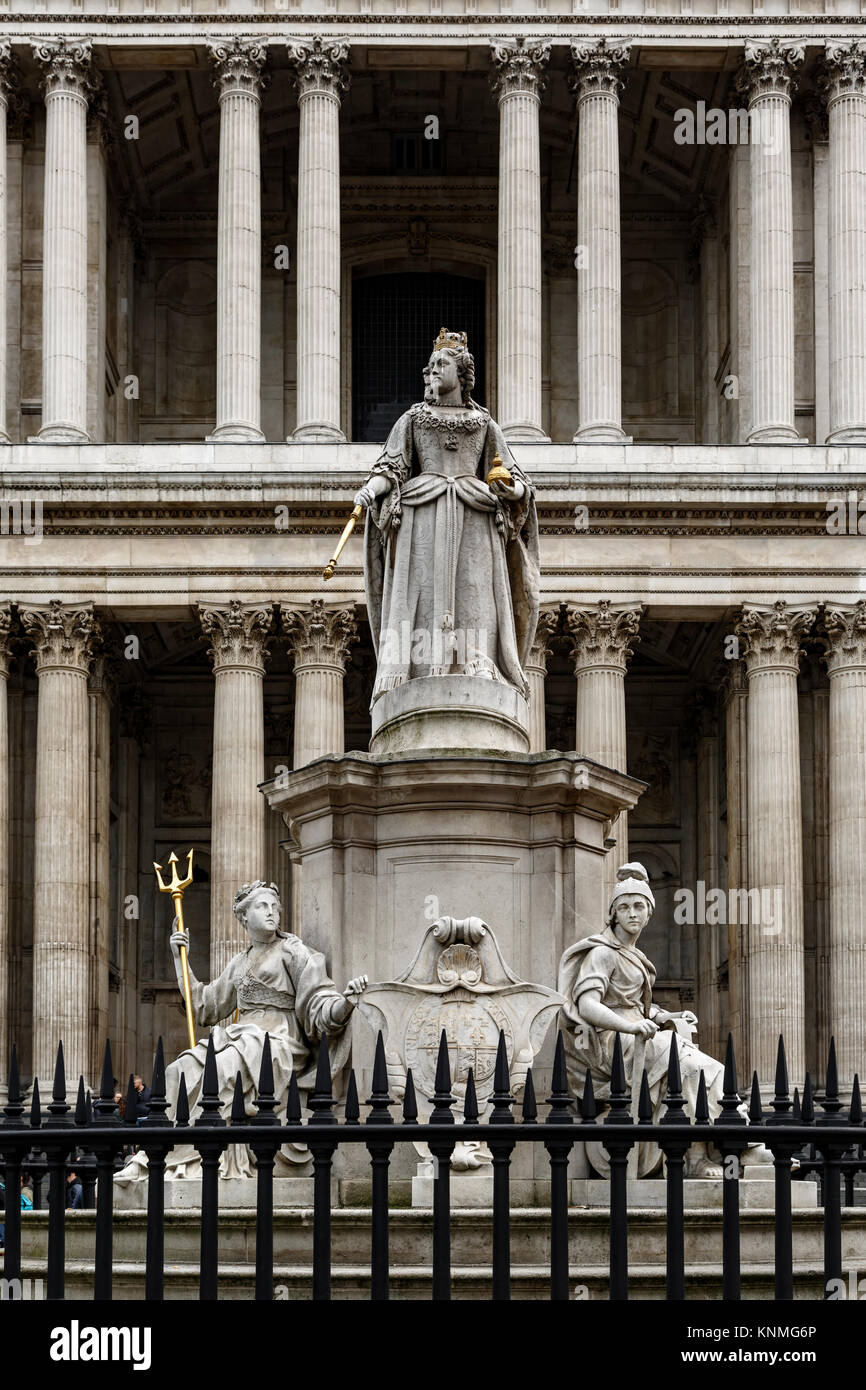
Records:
x=320, y=66
x=597, y=67
x=547, y=628
x=64, y=636
x=519, y=67
x=238, y=65
x=773, y=635
x=67, y=66
x=238, y=633
x=603, y=635
x=319, y=636
x=768, y=69
x=844, y=636
x=844, y=72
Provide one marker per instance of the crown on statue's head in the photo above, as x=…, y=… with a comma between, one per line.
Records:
x=447, y=339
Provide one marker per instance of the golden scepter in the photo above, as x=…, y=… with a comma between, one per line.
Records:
x=349, y=527
x=176, y=886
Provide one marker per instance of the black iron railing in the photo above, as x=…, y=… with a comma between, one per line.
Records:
x=790, y=1127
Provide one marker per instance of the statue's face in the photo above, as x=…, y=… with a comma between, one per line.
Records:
x=262, y=915
x=442, y=372
x=632, y=913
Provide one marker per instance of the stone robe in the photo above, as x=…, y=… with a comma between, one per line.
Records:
x=451, y=571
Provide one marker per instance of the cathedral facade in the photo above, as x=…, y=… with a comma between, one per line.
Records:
x=231, y=240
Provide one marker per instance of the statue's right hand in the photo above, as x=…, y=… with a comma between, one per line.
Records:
x=645, y=1028
x=365, y=496
x=178, y=939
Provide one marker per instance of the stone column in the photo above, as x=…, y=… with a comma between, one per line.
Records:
x=239, y=634
x=100, y=692
x=845, y=628
x=320, y=76
x=707, y=934
x=518, y=83
x=5, y=655
x=773, y=958
x=818, y=128
x=767, y=80
x=603, y=637
x=596, y=83
x=845, y=82
x=8, y=86
x=238, y=78
x=536, y=671
x=737, y=803
x=67, y=84
x=63, y=636
x=319, y=641
x=134, y=723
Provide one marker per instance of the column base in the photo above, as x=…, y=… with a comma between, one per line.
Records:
x=602, y=434
x=60, y=434
x=775, y=434
x=235, y=434
x=852, y=434
x=317, y=434
x=529, y=433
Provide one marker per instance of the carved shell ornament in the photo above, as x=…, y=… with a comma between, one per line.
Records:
x=459, y=965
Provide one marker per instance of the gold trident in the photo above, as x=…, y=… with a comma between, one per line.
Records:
x=176, y=887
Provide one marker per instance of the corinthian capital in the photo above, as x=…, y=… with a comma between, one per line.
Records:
x=238, y=634
x=66, y=65
x=320, y=66
x=519, y=67
x=548, y=626
x=772, y=634
x=8, y=72
x=844, y=637
x=768, y=69
x=597, y=67
x=63, y=635
x=844, y=72
x=320, y=636
x=603, y=635
x=237, y=65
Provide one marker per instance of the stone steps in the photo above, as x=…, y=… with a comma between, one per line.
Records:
x=414, y=1282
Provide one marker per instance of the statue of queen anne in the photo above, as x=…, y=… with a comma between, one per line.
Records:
x=451, y=560
x=279, y=987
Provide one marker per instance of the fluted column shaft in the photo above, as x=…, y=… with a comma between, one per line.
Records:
x=846, y=108
x=64, y=241
x=319, y=641
x=707, y=934
x=238, y=64
x=7, y=81
x=63, y=636
x=596, y=82
x=99, y=708
x=238, y=636
x=518, y=83
x=737, y=803
x=536, y=673
x=321, y=77
x=846, y=664
x=603, y=638
x=774, y=962
x=767, y=79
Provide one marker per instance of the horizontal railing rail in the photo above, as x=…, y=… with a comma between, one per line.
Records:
x=786, y=1130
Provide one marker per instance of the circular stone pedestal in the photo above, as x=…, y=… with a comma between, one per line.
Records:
x=455, y=712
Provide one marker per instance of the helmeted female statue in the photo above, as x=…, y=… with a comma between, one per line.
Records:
x=608, y=983
x=451, y=559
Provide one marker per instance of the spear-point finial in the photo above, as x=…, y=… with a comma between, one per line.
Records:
x=322, y=1102
x=410, y=1104
x=265, y=1100
x=442, y=1097
x=559, y=1099
x=470, y=1100
x=502, y=1098
x=239, y=1110
x=588, y=1107
x=529, y=1109
x=353, y=1108
x=181, y=1118
x=380, y=1099
x=293, y=1105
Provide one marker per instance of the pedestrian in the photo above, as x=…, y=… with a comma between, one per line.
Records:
x=142, y=1101
x=74, y=1191
x=26, y=1192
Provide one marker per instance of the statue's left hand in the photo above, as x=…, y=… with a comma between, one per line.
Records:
x=508, y=493
x=688, y=1017
x=355, y=988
